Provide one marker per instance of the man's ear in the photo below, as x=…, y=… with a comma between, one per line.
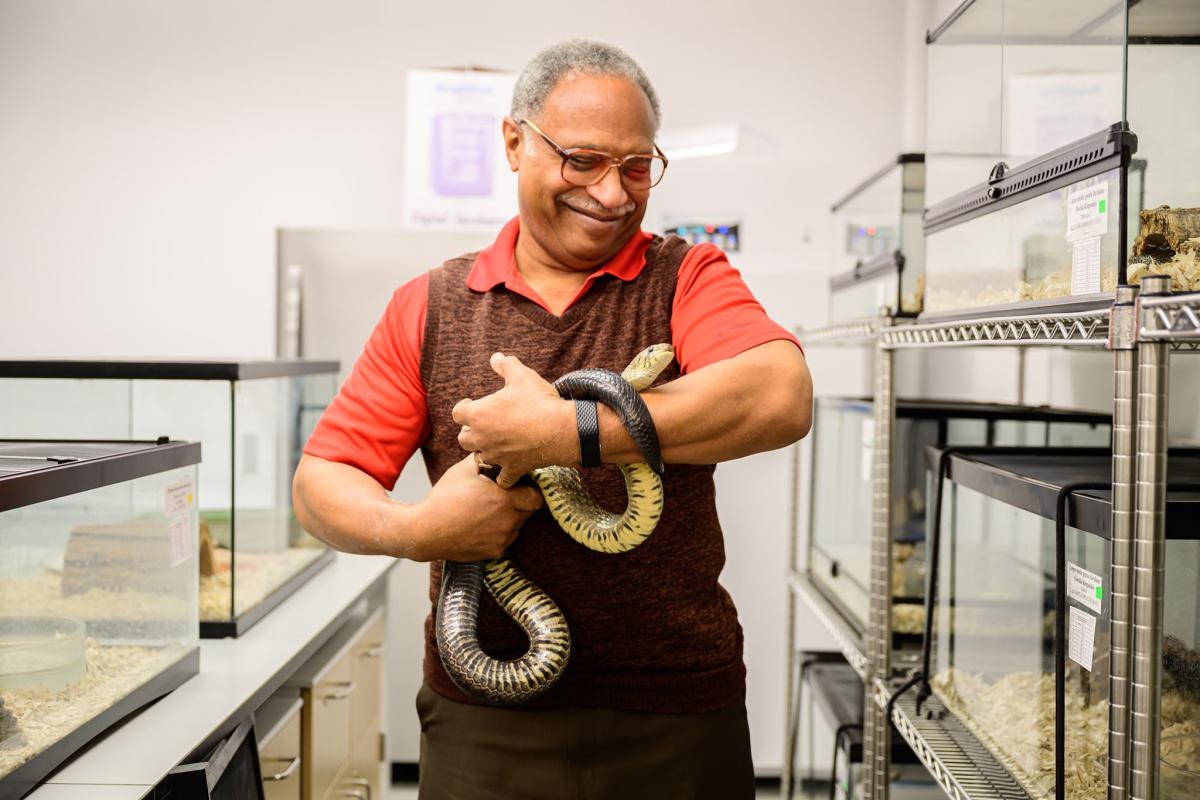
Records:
x=512, y=143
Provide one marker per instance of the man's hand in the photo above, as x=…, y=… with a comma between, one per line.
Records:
x=521, y=427
x=467, y=517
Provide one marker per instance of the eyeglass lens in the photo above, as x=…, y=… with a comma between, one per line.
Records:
x=583, y=168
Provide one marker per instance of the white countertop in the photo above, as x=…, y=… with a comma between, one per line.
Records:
x=235, y=676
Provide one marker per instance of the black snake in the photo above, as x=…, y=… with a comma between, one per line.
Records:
x=510, y=682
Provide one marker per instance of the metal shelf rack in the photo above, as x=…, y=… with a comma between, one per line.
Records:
x=848, y=642
x=857, y=332
x=1070, y=329
x=799, y=588
x=961, y=766
x=1141, y=332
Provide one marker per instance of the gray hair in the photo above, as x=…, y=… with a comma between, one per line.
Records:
x=575, y=56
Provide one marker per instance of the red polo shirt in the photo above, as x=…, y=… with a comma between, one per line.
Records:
x=380, y=417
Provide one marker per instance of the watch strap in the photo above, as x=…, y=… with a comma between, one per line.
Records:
x=588, y=424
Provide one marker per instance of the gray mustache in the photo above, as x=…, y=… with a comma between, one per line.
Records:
x=598, y=208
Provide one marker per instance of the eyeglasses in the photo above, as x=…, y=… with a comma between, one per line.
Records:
x=584, y=167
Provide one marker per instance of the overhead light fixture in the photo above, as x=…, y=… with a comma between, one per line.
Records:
x=699, y=141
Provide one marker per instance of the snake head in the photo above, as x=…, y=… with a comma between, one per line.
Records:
x=648, y=365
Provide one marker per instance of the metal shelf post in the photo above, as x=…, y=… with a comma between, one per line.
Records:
x=789, y=689
x=1149, y=550
x=876, y=745
x=1123, y=329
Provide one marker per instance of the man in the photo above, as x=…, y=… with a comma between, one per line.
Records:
x=653, y=701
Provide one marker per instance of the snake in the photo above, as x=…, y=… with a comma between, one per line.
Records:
x=510, y=682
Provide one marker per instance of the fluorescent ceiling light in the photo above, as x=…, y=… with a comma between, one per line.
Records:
x=699, y=141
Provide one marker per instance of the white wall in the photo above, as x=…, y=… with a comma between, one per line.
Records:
x=151, y=150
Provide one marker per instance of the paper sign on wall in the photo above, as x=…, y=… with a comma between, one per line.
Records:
x=1046, y=110
x=455, y=174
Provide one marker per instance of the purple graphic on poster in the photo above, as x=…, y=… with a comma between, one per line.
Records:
x=462, y=154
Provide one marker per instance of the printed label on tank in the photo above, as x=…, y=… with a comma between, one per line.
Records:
x=1087, y=210
x=179, y=497
x=182, y=537
x=1085, y=588
x=1085, y=266
x=1082, y=637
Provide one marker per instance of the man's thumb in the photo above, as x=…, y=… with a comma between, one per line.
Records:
x=506, y=367
x=508, y=478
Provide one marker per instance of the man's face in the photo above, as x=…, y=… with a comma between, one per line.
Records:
x=581, y=227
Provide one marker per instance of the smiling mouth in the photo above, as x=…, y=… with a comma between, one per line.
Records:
x=596, y=217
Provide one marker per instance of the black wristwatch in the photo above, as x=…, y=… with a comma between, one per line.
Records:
x=589, y=432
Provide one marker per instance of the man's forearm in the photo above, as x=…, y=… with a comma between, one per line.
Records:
x=759, y=400
x=348, y=510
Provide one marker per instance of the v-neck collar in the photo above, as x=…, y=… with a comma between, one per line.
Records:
x=536, y=311
x=496, y=266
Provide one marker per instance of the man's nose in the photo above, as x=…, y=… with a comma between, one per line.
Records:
x=609, y=191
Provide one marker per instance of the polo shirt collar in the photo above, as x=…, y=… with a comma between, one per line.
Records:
x=497, y=263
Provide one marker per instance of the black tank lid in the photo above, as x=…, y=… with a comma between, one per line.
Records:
x=34, y=471
x=1030, y=479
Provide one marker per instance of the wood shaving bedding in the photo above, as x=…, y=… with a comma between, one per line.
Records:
x=1183, y=269
x=908, y=618
x=1014, y=718
x=43, y=595
x=258, y=574
x=38, y=718
x=8, y=722
x=1050, y=287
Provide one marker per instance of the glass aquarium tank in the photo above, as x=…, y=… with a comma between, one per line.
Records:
x=1060, y=159
x=879, y=255
x=98, y=592
x=252, y=417
x=997, y=621
x=839, y=551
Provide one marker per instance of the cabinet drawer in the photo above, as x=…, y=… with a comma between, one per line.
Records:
x=368, y=651
x=366, y=760
x=327, y=728
x=279, y=749
x=362, y=779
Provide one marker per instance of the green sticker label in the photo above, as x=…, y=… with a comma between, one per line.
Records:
x=1085, y=588
x=1102, y=205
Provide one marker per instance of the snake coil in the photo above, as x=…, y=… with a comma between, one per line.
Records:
x=510, y=682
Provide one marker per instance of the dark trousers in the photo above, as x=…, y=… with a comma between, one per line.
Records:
x=479, y=753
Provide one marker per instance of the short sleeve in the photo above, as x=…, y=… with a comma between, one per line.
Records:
x=714, y=316
x=380, y=416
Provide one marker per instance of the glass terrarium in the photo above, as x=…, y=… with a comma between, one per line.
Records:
x=98, y=592
x=252, y=418
x=879, y=243
x=1034, y=196
x=1000, y=588
x=839, y=553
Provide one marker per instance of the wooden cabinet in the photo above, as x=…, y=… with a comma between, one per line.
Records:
x=368, y=650
x=326, y=729
x=278, y=723
x=342, y=689
x=366, y=763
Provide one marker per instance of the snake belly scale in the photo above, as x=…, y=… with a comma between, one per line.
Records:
x=509, y=682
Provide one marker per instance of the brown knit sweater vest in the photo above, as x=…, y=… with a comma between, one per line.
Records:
x=651, y=629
